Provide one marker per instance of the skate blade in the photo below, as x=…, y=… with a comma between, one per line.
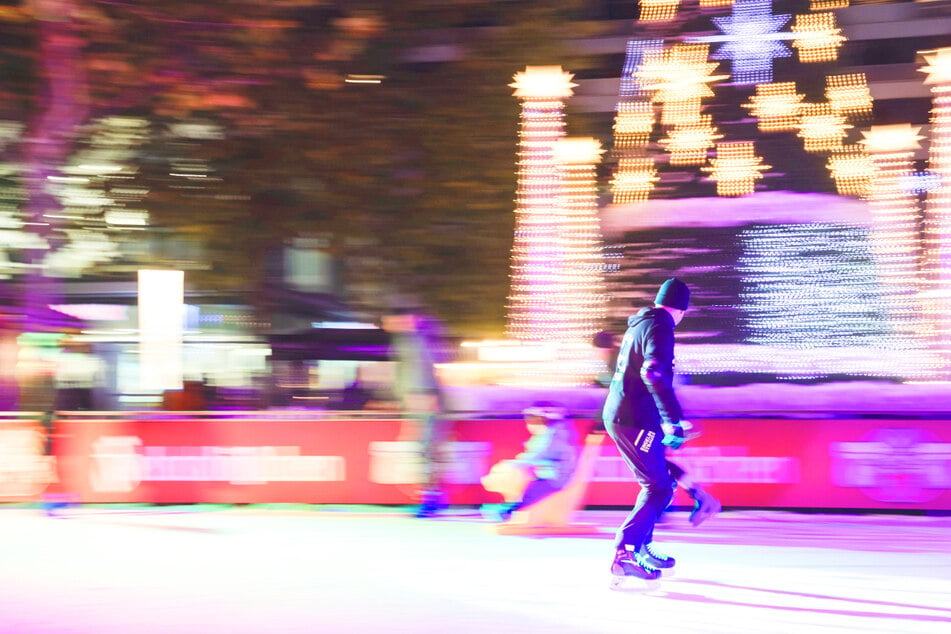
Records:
x=633, y=584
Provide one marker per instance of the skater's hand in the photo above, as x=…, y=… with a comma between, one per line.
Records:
x=674, y=436
x=691, y=430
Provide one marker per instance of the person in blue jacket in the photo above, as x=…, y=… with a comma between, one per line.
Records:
x=549, y=458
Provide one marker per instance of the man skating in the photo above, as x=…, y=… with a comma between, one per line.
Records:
x=642, y=415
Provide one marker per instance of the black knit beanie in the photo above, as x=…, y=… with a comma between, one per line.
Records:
x=673, y=294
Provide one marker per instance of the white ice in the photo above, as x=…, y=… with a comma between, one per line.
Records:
x=243, y=570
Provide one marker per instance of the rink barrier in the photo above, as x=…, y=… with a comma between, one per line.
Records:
x=888, y=463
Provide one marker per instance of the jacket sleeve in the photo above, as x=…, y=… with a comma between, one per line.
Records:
x=657, y=372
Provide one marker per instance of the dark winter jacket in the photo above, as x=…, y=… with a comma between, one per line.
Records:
x=641, y=393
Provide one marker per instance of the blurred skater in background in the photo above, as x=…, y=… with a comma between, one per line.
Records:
x=417, y=347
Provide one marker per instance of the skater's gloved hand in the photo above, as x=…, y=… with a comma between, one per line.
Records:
x=674, y=436
x=691, y=430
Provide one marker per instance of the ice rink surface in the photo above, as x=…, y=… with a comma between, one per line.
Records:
x=244, y=570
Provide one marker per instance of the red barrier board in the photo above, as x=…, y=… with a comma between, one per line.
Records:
x=810, y=464
x=766, y=463
x=269, y=460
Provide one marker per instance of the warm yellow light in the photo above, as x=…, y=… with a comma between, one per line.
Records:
x=939, y=66
x=658, y=10
x=821, y=128
x=892, y=138
x=827, y=5
x=715, y=3
x=688, y=144
x=543, y=82
x=849, y=93
x=679, y=73
x=736, y=168
x=776, y=106
x=578, y=151
x=818, y=38
x=850, y=168
x=633, y=180
x=633, y=123
x=680, y=112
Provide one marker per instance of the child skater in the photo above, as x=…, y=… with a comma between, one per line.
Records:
x=545, y=466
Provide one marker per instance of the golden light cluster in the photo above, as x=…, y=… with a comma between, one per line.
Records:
x=776, y=106
x=827, y=5
x=818, y=37
x=895, y=138
x=851, y=169
x=582, y=291
x=543, y=83
x=633, y=123
x=677, y=73
x=849, y=94
x=633, y=180
x=822, y=128
x=736, y=168
x=532, y=308
x=688, y=143
x=658, y=10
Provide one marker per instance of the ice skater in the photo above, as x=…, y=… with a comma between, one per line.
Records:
x=643, y=416
x=705, y=505
x=417, y=348
x=545, y=466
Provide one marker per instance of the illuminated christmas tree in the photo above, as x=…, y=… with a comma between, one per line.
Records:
x=582, y=292
x=535, y=309
x=937, y=271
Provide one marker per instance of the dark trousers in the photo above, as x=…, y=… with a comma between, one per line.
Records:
x=643, y=452
x=536, y=491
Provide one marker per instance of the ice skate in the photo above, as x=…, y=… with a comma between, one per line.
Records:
x=57, y=504
x=631, y=572
x=432, y=503
x=498, y=512
x=705, y=506
x=656, y=558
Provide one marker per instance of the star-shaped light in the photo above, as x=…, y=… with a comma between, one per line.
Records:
x=634, y=54
x=679, y=73
x=752, y=40
x=776, y=106
x=543, y=82
x=633, y=123
x=578, y=151
x=736, y=168
x=688, y=144
x=821, y=128
x=658, y=10
x=849, y=93
x=817, y=37
x=939, y=66
x=634, y=180
x=899, y=137
x=851, y=169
